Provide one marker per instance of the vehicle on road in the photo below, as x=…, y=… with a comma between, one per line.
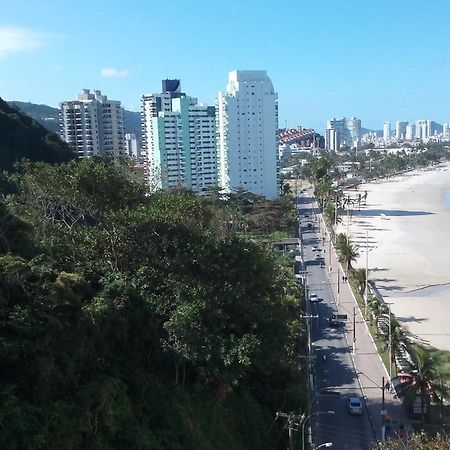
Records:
x=313, y=298
x=322, y=265
x=355, y=406
x=318, y=256
x=336, y=323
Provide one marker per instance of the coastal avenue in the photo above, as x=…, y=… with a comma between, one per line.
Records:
x=334, y=376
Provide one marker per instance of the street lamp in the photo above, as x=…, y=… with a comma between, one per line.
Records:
x=327, y=444
x=317, y=413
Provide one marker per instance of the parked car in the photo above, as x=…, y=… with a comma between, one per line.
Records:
x=355, y=406
x=314, y=298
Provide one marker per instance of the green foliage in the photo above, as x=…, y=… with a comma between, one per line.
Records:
x=130, y=320
x=22, y=137
x=347, y=252
x=421, y=441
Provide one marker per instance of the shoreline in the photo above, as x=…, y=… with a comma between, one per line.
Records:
x=406, y=220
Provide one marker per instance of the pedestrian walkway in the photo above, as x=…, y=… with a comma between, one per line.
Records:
x=368, y=364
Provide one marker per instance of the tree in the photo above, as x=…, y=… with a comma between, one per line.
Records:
x=359, y=276
x=423, y=378
x=420, y=441
x=348, y=252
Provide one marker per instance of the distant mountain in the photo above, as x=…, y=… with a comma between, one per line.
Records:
x=48, y=117
x=23, y=137
x=367, y=130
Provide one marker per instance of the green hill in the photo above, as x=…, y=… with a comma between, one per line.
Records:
x=22, y=137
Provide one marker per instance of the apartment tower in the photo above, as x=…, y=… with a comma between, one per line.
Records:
x=93, y=125
x=247, y=126
x=179, y=140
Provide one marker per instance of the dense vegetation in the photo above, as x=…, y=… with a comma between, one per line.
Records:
x=137, y=321
x=22, y=137
x=420, y=441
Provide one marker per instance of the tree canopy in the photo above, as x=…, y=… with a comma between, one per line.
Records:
x=137, y=320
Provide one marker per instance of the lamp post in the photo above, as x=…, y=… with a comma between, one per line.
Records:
x=317, y=413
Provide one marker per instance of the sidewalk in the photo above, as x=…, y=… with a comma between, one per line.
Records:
x=367, y=361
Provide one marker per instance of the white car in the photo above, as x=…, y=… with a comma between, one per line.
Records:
x=355, y=406
x=313, y=298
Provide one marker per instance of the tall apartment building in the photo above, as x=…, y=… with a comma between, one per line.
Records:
x=425, y=129
x=400, y=129
x=446, y=131
x=92, y=125
x=410, y=132
x=387, y=131
x=342, y=133
x=179, y=139
x=247, y=127
x=132, y=147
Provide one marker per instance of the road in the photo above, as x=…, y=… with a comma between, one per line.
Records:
x=335, y=378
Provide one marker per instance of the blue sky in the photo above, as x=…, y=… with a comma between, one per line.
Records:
x=376, y=60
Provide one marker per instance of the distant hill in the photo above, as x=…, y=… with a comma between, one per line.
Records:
x=49, y=117
x=23, y=137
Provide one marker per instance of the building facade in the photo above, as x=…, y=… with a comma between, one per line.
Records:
x=400, y=129
x=179, y=140
x=410, y=132
x=93, y=125
x=387, y=131
x=247, y=127
x=343, y=133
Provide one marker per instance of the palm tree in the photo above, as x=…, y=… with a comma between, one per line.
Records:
x=359, y=276
x=377, y=311
x=423, y=379
x=348, y=252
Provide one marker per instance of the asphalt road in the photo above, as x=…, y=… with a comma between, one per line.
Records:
x=334, y=377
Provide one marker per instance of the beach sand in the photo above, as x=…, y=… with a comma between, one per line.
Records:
x=408, y=228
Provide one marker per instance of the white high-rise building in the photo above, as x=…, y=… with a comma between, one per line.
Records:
x=132, y=147
x=410, y=132
x=179, y=140
x=387, y=131
x=247, y=126
x=332, y=142
x=400, y=129
x=446, y=131
x=425, y=129
x=342, y=133
x=93, y=125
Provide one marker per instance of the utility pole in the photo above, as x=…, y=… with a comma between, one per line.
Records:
x=293, y=422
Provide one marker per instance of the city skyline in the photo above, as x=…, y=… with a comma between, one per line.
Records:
x=327, y=60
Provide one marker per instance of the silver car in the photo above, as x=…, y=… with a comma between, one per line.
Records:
x=355, y=406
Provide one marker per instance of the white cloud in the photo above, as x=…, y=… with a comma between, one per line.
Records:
x=109, y=72
x=15, y=40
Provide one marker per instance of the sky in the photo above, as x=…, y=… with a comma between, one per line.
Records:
x=372, y=59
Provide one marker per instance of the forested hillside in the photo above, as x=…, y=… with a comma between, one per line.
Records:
x=137, y=321
x=23, y=137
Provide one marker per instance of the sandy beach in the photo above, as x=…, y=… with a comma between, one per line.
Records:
x=408, y=228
